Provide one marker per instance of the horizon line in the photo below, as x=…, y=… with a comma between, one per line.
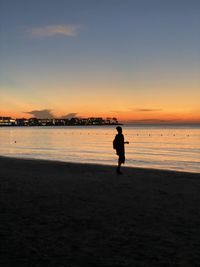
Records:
x=124, y=122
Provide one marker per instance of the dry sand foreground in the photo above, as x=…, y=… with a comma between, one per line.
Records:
x=62, y=214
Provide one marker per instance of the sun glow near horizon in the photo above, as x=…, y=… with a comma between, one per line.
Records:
x=130, y=105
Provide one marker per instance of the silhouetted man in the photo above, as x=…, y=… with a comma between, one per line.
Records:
x=118, y=145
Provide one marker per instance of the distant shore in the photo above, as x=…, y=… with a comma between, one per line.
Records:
x=78, y=125
x=68, y=214
x=74, y=121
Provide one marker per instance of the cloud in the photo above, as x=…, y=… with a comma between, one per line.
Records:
x=117, y=111
x=48, y=114
x=147, y=109
x=152, y=121
x=137, y=110
x=69, y=116
x=52, y=30
x=41, y=114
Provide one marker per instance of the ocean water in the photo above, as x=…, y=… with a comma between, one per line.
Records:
x=172, y=148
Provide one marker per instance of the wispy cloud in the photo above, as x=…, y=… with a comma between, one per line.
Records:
x=118, y=111
x=52, y=30
x=152, y=121
x=42, y=114
x=147, y=109
x=137, y=110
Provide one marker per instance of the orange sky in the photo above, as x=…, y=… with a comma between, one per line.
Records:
x=139, y=102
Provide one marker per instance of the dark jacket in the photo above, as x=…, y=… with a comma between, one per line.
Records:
x=118, y=144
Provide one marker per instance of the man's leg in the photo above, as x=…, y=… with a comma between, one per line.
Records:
x=119, y=166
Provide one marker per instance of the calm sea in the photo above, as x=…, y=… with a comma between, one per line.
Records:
x=173, y=148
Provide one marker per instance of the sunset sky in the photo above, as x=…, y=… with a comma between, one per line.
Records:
x=137, y=60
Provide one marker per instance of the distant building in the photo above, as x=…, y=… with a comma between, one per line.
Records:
x=45, y=122
x=22, y=122
x=33, y=122
x=60, y=122
x=7, y=121
x=111, y=121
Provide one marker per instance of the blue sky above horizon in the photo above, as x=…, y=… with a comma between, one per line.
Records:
x=136, y=60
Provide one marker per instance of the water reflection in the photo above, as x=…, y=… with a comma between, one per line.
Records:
x=168, y=148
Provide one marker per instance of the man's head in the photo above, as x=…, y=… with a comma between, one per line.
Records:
x=119, y=129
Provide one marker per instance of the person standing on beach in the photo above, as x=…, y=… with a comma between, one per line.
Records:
x=118, y=145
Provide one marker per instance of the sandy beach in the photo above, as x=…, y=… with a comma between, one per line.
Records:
x=64, y=214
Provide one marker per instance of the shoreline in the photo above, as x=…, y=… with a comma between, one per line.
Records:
x=68, y=214
x=124, y=167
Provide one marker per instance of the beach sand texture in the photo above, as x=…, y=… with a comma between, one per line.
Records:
x=64, y=214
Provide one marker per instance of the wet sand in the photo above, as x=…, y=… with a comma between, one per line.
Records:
x=63, y=214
